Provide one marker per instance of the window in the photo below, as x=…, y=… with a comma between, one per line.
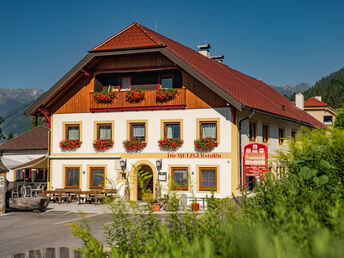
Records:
x=328, y=120
x=208, y=179
x=97, y=177
x=293, y=133
x=172, y=130
x=167, y=82
x=40, y=174
x=208, y=129
x=72, y=177
x=253, y=131
x=72, y=132
x=281, y=136
x=266, y=133
x=180, y=178
x=138, y=130
x=125, y=83
x=104, y=131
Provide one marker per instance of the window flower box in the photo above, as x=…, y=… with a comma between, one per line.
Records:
x=102, y=144
x=165, y=95
x=205, y=144
x=69, y=145
x=134, y=144
x=104, y=97
x=135, y=96
x=170, y=143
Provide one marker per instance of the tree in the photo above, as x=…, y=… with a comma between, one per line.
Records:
x=1, y=135
x=9, y=136
x=36, y=121
x=339, y=122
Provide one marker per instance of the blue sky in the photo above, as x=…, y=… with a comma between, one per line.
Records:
x=279, y=42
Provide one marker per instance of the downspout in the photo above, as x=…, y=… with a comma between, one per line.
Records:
x=240, y=147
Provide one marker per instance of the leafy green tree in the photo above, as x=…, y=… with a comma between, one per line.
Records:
x=339, y=122
x=9, y=136
x=36, y=121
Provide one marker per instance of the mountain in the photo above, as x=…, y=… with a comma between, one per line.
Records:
x=289, y=91
x=13, y=103
x=330, y=88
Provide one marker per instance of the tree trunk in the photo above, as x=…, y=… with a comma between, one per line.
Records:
x=27, y=203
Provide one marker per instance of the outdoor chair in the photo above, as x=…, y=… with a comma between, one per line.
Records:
x=27, y=191
x=16, y=192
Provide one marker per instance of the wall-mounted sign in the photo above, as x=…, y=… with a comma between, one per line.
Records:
x=255, y=159
x=194, y=155
x=2, y=182
x=162, y=176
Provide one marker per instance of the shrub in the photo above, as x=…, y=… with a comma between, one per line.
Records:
x=68, y=145
x=339, y=122
x=102, y=144
x=205, y=144
x=170, y=144
x=104, y=96
x=135, y=96
x=165, y=95
x=134, y=144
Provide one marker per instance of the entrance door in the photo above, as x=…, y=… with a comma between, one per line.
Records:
x=145, y=184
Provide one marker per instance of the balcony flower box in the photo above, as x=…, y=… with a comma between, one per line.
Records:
x=69, y=145
x=134, y=144
x=205, y=144
x=170, y=143
x=102, y=144
x=135, y=96
x=165, y=95
x=104, y=97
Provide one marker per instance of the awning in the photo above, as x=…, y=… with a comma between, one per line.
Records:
x=41, y=162
x=2, y=167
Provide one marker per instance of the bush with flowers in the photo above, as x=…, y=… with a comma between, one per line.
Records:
x=104, y=96
x=102, y=144
x=170, y=143
x=205, y=144
x=135, y=96
x=68, y=145
x=134, y=144
x=165, y=95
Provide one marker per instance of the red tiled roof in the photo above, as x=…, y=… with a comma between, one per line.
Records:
x=245, y=89
x=131, y=37
x=313, y=102
x=35, y=139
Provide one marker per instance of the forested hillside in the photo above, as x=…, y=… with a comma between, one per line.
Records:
x=330, y=88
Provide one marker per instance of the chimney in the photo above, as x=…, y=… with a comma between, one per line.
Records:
x=299, y=100
x=318, y=97
x=218, y=58
x=204, y=50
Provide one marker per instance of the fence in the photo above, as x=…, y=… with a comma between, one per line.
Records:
x=54, y=252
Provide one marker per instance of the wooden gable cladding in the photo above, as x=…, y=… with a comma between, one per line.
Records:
x=76, y=98
x=136, y=62
x=198, y=95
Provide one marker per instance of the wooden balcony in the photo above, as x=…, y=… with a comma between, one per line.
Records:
x=120, y=103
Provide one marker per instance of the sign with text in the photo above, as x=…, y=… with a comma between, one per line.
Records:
x=255, y=159
x=194, y=155
x=2, y=182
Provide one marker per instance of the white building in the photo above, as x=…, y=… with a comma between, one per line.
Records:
x=211, y=100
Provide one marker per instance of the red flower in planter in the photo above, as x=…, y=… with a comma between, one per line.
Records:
x=165, y=95
x=104, y=97
x=102, y=144
x=70, y=144
x=135, y=96
x=134, y=144
x=170, y=144
x=205, y=144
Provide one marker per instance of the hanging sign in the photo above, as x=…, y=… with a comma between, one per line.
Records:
x=2, y=182
x=255, y=159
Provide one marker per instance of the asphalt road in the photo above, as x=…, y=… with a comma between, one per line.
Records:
x=23, y=231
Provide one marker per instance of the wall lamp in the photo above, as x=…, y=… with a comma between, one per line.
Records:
x=158, y=163
x=123, y=164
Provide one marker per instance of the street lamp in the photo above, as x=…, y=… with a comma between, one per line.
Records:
x=158, y=163
x=123, y=164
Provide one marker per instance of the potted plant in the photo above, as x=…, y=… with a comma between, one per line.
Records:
x=104, y=96
x=194, y=206
x=102, y=144
x=170, y=143
x=135, y=96
x=165, y=95
x=205, y=144
x=69, y=145
x=134, y=144
x=155, y=204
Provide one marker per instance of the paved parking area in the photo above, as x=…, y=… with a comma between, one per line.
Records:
x=23, y=231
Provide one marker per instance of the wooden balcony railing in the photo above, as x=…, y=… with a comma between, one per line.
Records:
x=149, y=102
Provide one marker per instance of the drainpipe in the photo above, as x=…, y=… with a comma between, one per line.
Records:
x=240, y=147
